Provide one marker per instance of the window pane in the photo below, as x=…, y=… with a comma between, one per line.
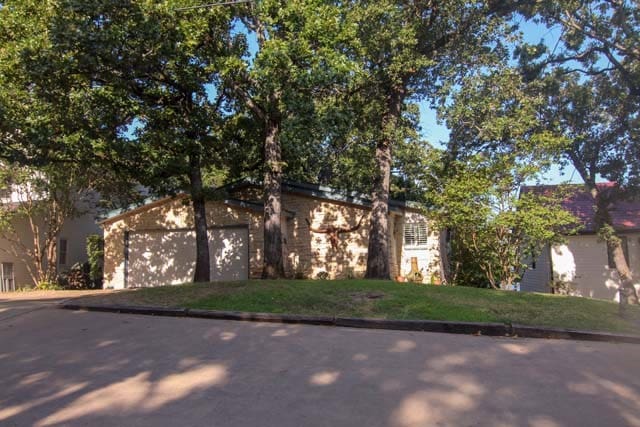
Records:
x=415, y=234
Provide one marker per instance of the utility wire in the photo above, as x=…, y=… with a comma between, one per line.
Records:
x=224, y=3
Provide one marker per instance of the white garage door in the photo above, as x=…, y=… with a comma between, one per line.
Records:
x=229, y=252
x=162, y=257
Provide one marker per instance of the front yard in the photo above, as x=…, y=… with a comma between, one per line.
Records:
x=387, y=300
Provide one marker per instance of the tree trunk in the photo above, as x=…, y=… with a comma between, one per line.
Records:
x=51, y=259
x=202, y=271
x=604, y=227
x=445, y=259
x=628, y=294
x=378, y=250
x=273, y=263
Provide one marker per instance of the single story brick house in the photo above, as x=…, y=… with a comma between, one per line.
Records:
x=584, y=263
x=154, y=244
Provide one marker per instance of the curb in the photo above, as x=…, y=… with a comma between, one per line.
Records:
x=260, y=317
x=572, y=334
x=466, y=328
x=150, y=311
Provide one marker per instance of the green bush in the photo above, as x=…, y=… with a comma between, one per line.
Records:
x=77, y=277
x=95, y=251
x=48, y=286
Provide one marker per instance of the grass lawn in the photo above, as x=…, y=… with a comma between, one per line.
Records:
x=387, y=300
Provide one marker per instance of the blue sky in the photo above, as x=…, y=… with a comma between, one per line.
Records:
x=438, y=134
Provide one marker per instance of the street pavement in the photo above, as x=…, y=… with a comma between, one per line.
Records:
x=74, y=368
x=14, y=304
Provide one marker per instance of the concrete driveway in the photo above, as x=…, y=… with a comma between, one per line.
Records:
x=63, y=368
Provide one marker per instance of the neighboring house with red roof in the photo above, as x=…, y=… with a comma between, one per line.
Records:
x=583, y=263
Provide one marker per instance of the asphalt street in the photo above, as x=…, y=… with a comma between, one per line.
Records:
x=72, y=368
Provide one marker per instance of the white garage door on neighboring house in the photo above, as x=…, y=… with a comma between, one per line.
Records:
x=167, y=257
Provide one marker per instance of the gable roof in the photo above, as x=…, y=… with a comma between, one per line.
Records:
x=625, y=215
x=150, y=203
x=291, y=187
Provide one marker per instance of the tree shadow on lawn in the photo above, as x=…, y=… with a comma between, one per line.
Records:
x=77, y=368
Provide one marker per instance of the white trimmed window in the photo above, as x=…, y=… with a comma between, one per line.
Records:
x=415, y=234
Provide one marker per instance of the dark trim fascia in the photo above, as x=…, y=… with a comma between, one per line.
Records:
x=325, y=192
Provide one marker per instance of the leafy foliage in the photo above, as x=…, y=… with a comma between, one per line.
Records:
x=497, y=145
x=95, y=253
x=496, y=227
x=78, y=277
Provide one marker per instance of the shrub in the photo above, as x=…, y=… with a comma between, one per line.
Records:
x=48, y=286
x=77, y=277
x=95, y=251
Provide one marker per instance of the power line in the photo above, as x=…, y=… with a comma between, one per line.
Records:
x=224, y=3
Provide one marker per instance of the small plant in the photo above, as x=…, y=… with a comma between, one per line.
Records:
x=435, y=279
x=562, y=287
x=352, y=274
x=48, y=286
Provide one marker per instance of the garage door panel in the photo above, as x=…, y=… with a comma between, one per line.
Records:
x=229, y=253
x=158, y=258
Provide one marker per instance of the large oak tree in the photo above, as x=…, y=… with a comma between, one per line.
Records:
x=298, y=58
x=128, y=87
x=408, y=51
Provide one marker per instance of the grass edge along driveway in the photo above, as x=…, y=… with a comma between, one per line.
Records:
x=385, y=300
